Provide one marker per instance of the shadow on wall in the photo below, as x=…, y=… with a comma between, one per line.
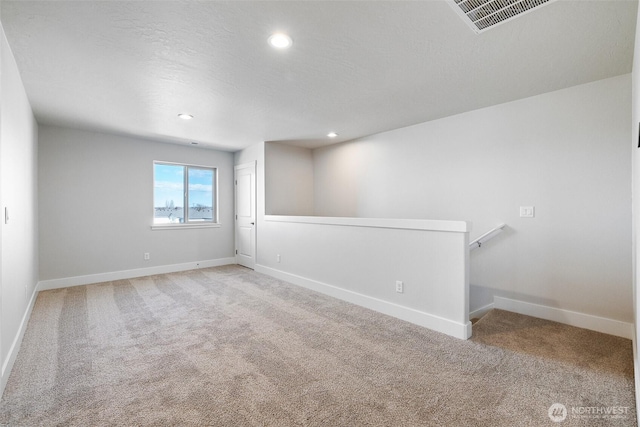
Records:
x=482, y=259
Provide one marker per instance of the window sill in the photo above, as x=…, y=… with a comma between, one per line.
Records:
x=184, y=226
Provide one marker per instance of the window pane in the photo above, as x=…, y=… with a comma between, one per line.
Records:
x=168, y=194
x=201, y=182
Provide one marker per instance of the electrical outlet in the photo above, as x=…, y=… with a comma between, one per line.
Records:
x=146, y=256
x=278, y=258
x=399, y=287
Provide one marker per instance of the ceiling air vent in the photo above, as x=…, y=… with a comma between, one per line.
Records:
x=484, y=14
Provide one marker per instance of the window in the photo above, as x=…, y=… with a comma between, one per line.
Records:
x=176, y=186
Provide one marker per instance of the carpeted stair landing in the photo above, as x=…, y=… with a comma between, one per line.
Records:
x=230, y=347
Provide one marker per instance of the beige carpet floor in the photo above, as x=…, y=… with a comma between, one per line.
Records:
x=230, y=347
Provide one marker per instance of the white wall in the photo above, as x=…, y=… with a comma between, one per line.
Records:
x=360, y=260
x=565, y=152
x=635, y=150
x=288, y=180
x=343, y=258
x=18, y=192
x=96, y=205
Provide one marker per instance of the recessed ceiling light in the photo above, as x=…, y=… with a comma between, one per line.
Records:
x=332, y=134
x=185, y=116
x=280, y=41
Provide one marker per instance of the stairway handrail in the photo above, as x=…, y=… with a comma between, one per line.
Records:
x=477, y=243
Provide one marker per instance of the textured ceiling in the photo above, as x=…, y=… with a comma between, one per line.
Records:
x=357, y=68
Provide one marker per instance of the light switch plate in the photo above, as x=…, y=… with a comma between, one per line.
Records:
x=527, y=211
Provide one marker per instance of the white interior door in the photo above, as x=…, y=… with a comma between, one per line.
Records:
x=245, y=185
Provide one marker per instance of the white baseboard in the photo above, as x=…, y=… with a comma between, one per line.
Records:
x=636, y=370
x=45, y=285
x=436, y=323
x=17, y=341
x=572, y=318
x=481, y=311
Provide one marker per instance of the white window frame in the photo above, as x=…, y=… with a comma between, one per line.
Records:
x=187, y=224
